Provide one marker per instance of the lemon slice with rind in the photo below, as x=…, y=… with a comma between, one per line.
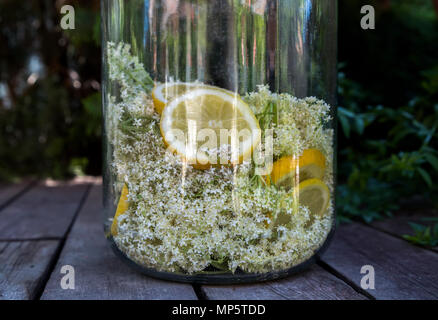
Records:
x=289, y=171
x=164, y=92
x=315, y=195
x=208, y=126
x=122, y=206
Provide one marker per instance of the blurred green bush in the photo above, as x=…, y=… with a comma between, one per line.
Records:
x=388, y=114
x=388, y=95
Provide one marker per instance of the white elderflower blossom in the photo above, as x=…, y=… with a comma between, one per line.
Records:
x=184, y=220
x=137, y=122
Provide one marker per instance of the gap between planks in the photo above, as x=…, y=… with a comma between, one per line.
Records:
x=314, y=283
x=10, y=193
x=24, y=267
x=44, y=211
x=28, y=268
x=61, y=245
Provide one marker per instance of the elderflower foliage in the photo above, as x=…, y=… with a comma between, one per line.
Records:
x=300, y=121
x=184, y=220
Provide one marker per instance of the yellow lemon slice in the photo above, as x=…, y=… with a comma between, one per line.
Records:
x=122, y=206
x=165, y=92
x=288, y=171
x=314, y=194
x=208, y=126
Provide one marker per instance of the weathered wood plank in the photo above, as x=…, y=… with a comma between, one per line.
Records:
x=45, y=211
x=402, y=271
x=99, y=274
x=312, y=284
x=9, y=192
x=23, y=267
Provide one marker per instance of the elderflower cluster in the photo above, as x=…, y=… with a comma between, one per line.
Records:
x=185, y=220
x=302, y=123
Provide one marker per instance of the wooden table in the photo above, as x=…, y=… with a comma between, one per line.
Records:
x=48, y=224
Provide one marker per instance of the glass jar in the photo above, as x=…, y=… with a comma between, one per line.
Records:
x=219, y=141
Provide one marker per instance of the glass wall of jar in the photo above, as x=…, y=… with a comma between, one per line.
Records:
x=219, y=141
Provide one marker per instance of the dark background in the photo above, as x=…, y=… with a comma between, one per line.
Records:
x=50, y=116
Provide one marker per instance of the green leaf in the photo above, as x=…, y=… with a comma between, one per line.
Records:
x=433, y=160
x=410, y=238
x=400, y=134
x=221, y=263
x=426, y=176
x=417, y=227
x=424, y=235
x=427, y=233
x=93, y=104
x=360, y=124
x=346, y=113
x=345, y=125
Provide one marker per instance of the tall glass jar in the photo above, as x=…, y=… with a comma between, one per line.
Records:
x=219, y=135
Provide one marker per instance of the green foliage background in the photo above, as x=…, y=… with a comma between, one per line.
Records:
x=388, y=96
x=50, y=127
x=388, y=114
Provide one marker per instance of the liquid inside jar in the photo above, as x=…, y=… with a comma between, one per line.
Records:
x=211, y=181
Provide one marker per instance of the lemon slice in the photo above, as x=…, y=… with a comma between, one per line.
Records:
x=164, y=92
x=122, y=206
x=315, y=195
x=210, y=126
x=289, y=171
